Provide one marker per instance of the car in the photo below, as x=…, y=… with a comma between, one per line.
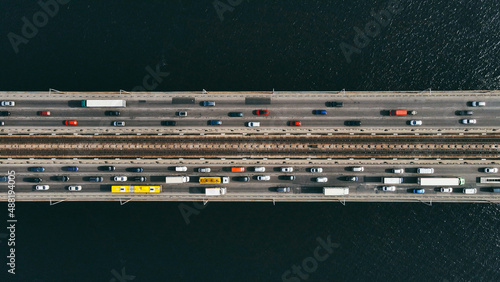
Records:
x=4, y=113
x=415, y=122
x=4, y=178
x=237, y=169
x=42, y=187
x=321, y=179
x=208, y=104
x=118, y=123
x=478, y=104
x=319, y=112
x=358, y=168
x=182, y=114
x=389, y=188
x=2, y=123
x=235, y=114
x=169, y=122
x=120, y=178
x=35, y=179
x=287, y=169
x=470, y=191
x=107, y=168
x=112, y=113
x=242, y=178
x=287, y=177
x=418, y=191
x=465, y=113
x=398, y=170
x=7, y=103
x=204, y=169
x=181, y=168
x=316, y=169
x=295, y=123
x=425, y=170
x=253, y=124
x=36, y=169
x=136, y=169
x=215, y=122
x=263, y=177
x=283, y=189
x=468, y=121
x=62, y=178
x=262, y=112
x=491, y=170
x=75, y=188
x=351, y=178
x=95, y=179
x=334, y=104
x=71, y=168
x=70, y=122
x=139, y=178
x=352, y=122
x=446, y=189
x=259, y=169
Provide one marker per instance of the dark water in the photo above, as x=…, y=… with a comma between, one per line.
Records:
x=286, y=45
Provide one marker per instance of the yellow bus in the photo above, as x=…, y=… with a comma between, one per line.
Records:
x=135, y=189
x=214, y=180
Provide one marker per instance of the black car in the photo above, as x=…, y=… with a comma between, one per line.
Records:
x=334, y=104
x=139, y=178
x=35, y=179
x=36, y=169
x=95, y=179
x=352, y=122
x=112, y=113
x=169, y=123
x=107, y=168
x=465, y=113
x=62, y=178
x=242, y=178
x=136, y=169
x=4, y=113
x=235, y=114
x=287, y=177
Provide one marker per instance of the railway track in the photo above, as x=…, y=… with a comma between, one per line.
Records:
x=320, y=146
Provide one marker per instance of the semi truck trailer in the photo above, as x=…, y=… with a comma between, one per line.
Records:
x=103, y=103
x=176, y=179
x=215, y=191
x=393, y=180
x=441, y=181
x=335, y=191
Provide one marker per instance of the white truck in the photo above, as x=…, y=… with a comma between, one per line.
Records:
x=335, y=191
x=393, y=180
x=441, y=181
x=215, y=191
x=176, y=179
x=104, y=103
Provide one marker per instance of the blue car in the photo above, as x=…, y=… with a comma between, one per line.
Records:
x=419, y=191
x=37, y=169
x=319, y=112
x=215, y=122
x=72, y=168
x=208, y=104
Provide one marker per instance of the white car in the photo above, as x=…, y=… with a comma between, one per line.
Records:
x=321, y=179
x=181, y=168
x=118, y=123
x=42, y=187
x=398, y=170
x=259, y=169
x=446, y=189
x=253, y=124
x=287, y=169
x=316, y=169
x=263, y=177
x=389, y=188
x=7, y=103
x=468, y=121
x=491, y=170
x=415, y=122
x=470, y=191
x=74, y=188
x=182, y=114
x=120, y=178
x=358, y=169
x=478, y=104
x=204, y=169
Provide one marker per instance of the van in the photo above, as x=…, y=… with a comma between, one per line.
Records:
x=237, y=169
x=181, y=168
x=422, y=170
x=259, y=169
x=470, y=190
x=358, y=168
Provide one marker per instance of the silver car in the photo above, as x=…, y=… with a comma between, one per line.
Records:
x=263, y=177
x=204, y=169
x=316, y=169
x=118, y=123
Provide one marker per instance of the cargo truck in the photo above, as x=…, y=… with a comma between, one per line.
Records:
x=402, y=113
x=393, y=180
x=215, y=191
x=441, y=181
x=176, y=179
x=335, y=191
x=103, y=103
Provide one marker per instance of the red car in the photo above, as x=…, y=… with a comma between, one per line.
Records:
x=44, y=113
x=70, y=122
x=295, y=123
x=262, y=112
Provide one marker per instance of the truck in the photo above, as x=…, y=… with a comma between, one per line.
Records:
x=136, y=189
x=103, y=103
x=335, y=191
x=214, y=180
x=441, y=181
x=215, y=191
x=176, y=179
x=402, y=112
x=393, y=180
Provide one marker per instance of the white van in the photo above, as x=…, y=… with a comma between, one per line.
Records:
x=181, y=168
x=358, y=168
x=259, y=169
x=422, y=170
x=470, y=190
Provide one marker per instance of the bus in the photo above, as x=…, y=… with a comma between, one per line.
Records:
x=136, y=189
x=103, y=103
x=491, y=180
x=214, y=180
